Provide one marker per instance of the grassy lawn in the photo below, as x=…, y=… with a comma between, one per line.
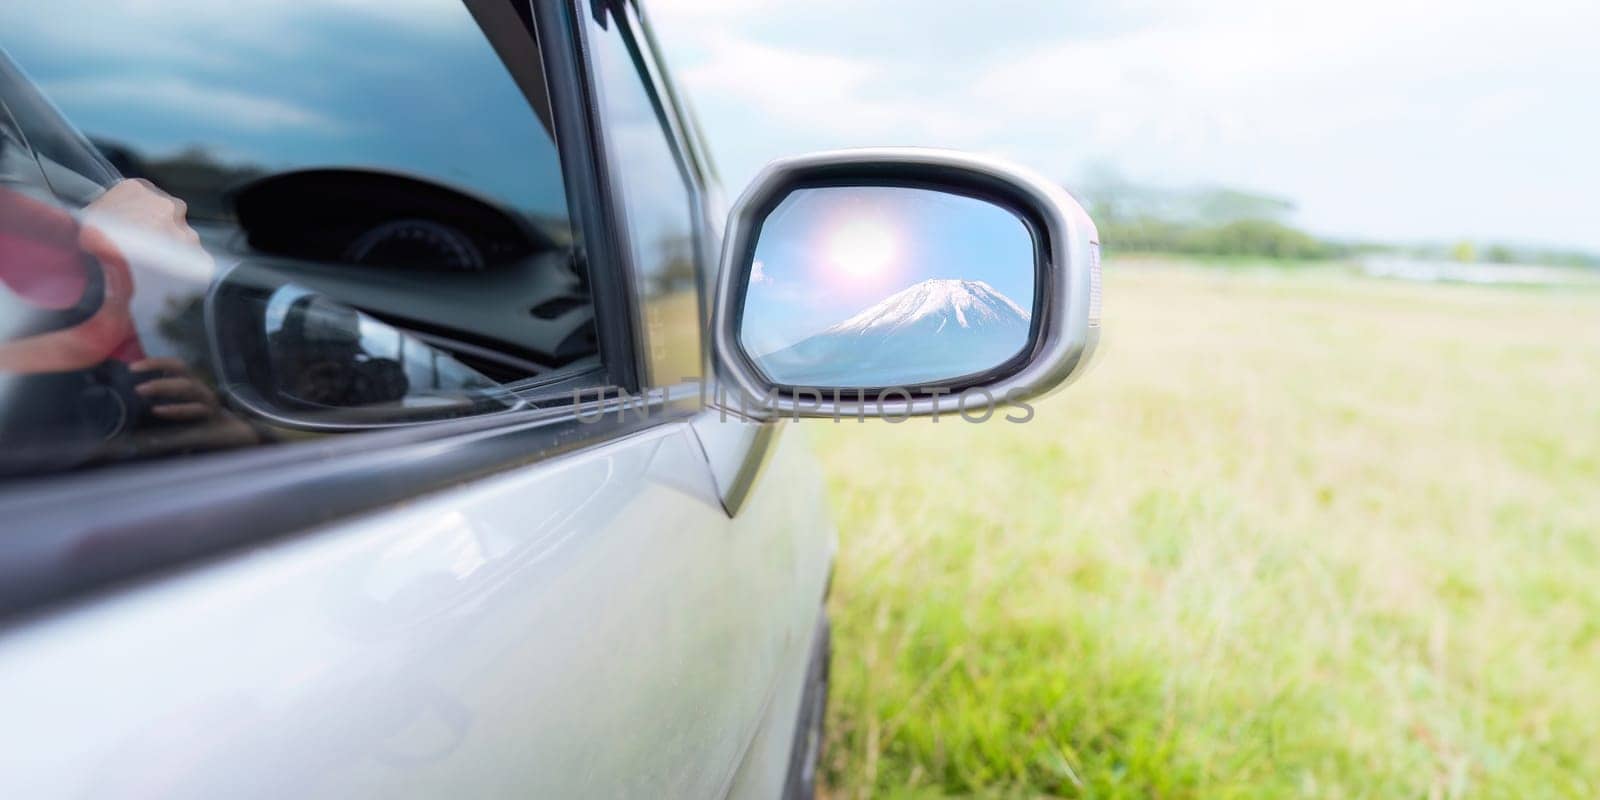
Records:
x=1298, y=533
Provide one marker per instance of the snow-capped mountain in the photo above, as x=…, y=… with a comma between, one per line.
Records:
x=933, y=330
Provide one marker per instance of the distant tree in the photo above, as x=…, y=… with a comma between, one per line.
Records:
x=675, y=270
x=1255, y=237
x=1143, y=235
x=1221, y=205
x=1250, y=237
x=1207, y=220
x=1464, y=252
x=193, y=173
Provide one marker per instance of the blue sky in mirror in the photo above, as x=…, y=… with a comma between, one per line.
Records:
x=859, y=257
x=405, y=86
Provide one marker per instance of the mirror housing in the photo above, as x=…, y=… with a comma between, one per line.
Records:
x=1065, y=321
x=292, y=357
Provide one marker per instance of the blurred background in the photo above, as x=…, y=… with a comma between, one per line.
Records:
x=1323, y=519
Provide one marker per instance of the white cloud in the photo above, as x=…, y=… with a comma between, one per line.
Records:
x=831, y=94
x=1386, y=118
x=211, y=34
x=238, y=110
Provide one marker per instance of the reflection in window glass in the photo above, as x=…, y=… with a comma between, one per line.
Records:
x=198, y=96
x=335, y=364
x=351, y=217
x=656, y=201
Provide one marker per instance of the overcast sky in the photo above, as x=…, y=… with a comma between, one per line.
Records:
x=1383, y=119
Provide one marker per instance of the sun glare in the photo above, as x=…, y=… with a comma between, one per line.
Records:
x=861, y=250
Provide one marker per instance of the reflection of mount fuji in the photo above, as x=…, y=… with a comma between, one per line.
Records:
x=931, y=331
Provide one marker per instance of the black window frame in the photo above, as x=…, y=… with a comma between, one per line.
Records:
x=637, y=37
x=74, y=535
x=708, y=183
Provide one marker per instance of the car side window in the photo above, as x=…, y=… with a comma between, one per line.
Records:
x=221, y=229
x=652, y=180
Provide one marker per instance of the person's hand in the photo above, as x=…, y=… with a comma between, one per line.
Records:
x=198, y=418
x=173, y=393
x=133, y=211
x=138, y=203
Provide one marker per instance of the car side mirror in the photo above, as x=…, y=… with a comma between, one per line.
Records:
x=293, y=357
x=897, y=282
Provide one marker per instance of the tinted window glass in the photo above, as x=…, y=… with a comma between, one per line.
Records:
x=236, y=223
x=657, y=203
x=200, y=94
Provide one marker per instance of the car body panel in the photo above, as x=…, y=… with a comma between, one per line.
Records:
x=785, y=489
x=594, y=625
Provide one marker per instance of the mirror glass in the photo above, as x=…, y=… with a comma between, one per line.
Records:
x=325, y=354
x=886, y=286
x=293, y=354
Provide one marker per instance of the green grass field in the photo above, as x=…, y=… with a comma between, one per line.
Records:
x=1297, y=534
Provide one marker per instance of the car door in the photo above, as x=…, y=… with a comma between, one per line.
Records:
x=526, y=600
x=765, y=473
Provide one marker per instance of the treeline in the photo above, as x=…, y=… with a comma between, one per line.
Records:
x=1221, y=222
x=1245, y=237
x=1203, y=221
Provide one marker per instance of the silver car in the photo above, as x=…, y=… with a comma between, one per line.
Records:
x=390, y=404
